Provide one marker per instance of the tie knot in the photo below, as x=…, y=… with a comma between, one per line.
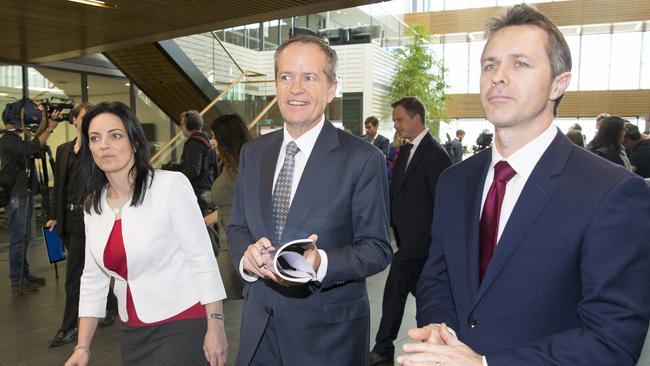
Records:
x=503, y=171
x=292, y=149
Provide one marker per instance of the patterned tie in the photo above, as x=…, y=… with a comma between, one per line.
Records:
x=489, y=231
x=282, y=190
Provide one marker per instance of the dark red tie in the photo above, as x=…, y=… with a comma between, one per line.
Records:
x=503, y=172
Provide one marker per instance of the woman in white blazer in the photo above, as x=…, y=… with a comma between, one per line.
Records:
x=145, y=229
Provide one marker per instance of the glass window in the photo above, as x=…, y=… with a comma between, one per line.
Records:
x=271, y=34
x=481, y=3
x=594, y=66
x=108, y=89
x=645, y=61
x=456, y=4
x=253, y=35
x=11, y=84
x=56, y=86
x=626, y=60
x=155, y=123
x=285, y=25
x=456, y=61
x=475, y=51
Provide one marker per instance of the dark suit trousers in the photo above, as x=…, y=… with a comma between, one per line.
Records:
x=268, y=351
x=74, y=241
x=402, y=279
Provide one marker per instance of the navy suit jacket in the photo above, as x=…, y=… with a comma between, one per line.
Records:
x=568, y=283
x=343, y=198
x=380, y=142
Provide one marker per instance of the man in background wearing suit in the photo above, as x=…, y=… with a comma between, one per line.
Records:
x=308, y=179
x=457, y=147
x=67, y=214
x=412, y=195
x=372, y=136
x=539, y=252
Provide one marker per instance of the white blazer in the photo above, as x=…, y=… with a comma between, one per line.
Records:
x=171, y=265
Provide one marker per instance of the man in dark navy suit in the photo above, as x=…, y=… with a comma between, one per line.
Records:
x=308, y=179
x=372, y=135
x=539, y=252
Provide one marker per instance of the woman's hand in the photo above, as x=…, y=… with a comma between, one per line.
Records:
x=215, y=346
x=80, y=357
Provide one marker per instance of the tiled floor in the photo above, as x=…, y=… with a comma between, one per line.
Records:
x=28, y=322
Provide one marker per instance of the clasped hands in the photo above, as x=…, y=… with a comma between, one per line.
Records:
x=258, y=260
x=437, y=347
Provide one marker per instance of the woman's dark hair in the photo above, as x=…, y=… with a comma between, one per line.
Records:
x=609, y=134
x=231, y=134
x=576, y=137
x=95, y=178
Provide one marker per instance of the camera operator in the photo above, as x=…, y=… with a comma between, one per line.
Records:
x=14, y=154
x=67, y=215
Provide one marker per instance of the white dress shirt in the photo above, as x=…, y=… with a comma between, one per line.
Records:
x=416, y=142
x=306, y=144
x=523, y=161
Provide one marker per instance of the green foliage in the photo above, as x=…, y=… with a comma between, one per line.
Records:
x=419, y=73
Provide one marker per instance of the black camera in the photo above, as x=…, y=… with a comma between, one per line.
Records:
x=59, y=104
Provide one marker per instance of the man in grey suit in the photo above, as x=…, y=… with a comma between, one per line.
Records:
x=372, y=136
x=308, y=180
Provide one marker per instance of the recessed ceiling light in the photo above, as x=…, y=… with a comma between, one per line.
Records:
x=97, y=3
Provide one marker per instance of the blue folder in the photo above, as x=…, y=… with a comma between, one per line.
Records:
x=54, y=245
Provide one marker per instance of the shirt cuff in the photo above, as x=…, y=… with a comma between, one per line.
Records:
x=247, y=277
x=322, y=269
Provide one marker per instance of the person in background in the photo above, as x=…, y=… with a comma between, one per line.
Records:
x=144, y=229
x=457, y=147
x=608, y=142
x=412, y=193
x=372, y=135
x=15, y=156
x=576, y=137
x=67, y=215
x=197, y=159
x=230, y=134
x=638, y=145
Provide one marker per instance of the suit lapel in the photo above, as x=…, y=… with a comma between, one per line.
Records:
x=267, y=172
x=474, y=182
x=539, y=189
x=318, y=172
x=422, y=148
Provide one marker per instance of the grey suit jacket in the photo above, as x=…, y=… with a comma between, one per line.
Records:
x=343, y=198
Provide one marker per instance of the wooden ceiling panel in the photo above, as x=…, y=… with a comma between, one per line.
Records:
x=563, y=13
x=39, y=31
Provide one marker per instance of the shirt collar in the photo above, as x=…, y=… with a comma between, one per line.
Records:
x=523, y=161
x=305, y=142
x=416, y=141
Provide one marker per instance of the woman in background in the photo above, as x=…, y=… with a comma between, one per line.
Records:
x=231, y=133
x=609, y=139
x=144, y=229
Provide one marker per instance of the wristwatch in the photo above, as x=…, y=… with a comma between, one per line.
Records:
x=49, y=129
x=215, y=316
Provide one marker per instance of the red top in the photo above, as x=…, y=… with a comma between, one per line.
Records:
x=115, y=260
